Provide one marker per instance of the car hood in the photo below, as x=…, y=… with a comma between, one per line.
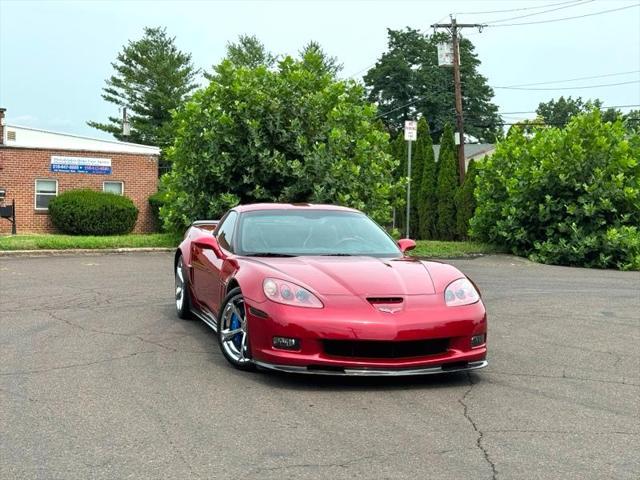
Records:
x=362, y=276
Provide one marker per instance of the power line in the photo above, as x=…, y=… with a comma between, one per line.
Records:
x=516, y=9
x=601, y=12
x=573, y=79
x=569, y=88
x=577, y=4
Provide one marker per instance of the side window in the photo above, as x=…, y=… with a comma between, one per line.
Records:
x=45, y=191
x=225, y=231
x=113, y=187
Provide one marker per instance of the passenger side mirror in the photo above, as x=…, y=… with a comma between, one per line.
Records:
x=210, y=243
x=406, y=244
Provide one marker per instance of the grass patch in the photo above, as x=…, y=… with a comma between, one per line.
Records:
x=65, y=242
x=440, y=249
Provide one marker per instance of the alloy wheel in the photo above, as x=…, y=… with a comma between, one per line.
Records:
x=234, y=335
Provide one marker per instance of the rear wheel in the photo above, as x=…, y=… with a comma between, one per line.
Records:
x=233, y=331
x=183, y=302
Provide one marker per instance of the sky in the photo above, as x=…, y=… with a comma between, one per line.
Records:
x=55, y=55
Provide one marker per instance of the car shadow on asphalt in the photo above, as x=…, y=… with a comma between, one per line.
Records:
x=292, y=381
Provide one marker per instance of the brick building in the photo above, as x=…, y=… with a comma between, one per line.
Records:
x=36, y=165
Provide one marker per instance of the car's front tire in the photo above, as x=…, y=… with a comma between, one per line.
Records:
x=183, y=300
x=233, y=331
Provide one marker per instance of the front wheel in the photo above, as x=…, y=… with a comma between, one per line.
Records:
x=183, y=302
x=233, y=331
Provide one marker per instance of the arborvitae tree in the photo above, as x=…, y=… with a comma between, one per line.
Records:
x=417, y=167
x=399, y=152
x=447, y=186
x=152, y=78
x=427, y=206
x=466, y=201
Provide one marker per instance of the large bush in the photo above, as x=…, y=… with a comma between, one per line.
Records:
x=87, y=212
x=565, y=196
x=291, y=132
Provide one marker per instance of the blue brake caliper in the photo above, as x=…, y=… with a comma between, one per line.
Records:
x=235, y=323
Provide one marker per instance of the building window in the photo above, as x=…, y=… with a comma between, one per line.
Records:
x=113, y=187
x=45, y=191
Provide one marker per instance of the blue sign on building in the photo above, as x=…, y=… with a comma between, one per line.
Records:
x=96, y=166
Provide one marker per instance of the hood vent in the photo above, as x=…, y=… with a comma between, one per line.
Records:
x=385, y=300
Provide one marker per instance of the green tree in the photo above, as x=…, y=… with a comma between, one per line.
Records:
x=557, y=113
x=249, y=52
x=427, y=201
x=566, y=196
x=408, y=83
x=466, y=201
x=447, y=186
x=632, y=121
x=399, y=152
x=291, y=133
x=152, y=78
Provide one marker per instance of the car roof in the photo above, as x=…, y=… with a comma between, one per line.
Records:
x=290, y=206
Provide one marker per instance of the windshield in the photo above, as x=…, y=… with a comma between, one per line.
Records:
x=312, y=232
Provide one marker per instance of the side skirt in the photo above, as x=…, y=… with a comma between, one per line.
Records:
x=207, y=317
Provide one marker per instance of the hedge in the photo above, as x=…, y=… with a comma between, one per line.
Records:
x=87, y=212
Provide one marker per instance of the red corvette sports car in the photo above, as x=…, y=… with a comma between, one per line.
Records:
x=323, y=289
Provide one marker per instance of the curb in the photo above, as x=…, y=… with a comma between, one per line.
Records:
x=81, y=251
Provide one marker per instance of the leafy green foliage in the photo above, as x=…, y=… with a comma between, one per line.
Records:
x=558, y=113
x=447, y=186
x=156, y=202
x=564, y=196
x=291, y=133
x=427, y=201
x=87, y=212
x=152, y=77
x=465, y=201
x=407, y=82
x=249, y=52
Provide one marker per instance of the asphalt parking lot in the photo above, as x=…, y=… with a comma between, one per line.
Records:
x=99, y=379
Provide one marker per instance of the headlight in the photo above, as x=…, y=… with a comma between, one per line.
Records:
x=460, y=292
x=289, y=294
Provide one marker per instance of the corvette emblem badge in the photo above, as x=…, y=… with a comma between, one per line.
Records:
x=389, y=309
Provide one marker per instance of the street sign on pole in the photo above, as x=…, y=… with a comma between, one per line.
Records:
x=410, y=130
x=410, y=135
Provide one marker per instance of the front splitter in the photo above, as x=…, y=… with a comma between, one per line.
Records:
x=374, y=372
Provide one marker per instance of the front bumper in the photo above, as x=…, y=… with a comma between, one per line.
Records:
x=350, y=319
x=373, y=372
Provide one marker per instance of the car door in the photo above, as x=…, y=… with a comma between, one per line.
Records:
x=208, y=268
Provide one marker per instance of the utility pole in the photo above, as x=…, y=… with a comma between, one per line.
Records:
x=453, y=28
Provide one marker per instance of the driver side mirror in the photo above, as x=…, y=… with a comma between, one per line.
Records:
x=210, y=243
x=406, y=244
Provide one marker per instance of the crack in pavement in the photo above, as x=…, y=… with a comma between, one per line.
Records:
x=106, y=332
x=75, y=365
x=480, y=433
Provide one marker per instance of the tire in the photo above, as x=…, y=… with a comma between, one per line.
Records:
x=235, y=346
x=183, y=300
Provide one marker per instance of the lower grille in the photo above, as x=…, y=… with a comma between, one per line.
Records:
x=385, y=349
